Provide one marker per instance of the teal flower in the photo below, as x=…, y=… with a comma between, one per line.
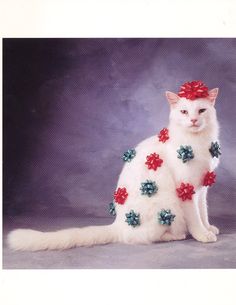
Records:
x=165, y=217
x=148, y=188
x=112, y=209
x=185, y=153
x=215, y=149
x=129, y=155
x=132, y=218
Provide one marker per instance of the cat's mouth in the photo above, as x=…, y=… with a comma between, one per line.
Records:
x=195, y=128
x=194, y=125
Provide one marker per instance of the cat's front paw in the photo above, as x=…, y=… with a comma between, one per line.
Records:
x=213, y=229
x=205, y=236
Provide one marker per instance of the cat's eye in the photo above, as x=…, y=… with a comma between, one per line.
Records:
x=184, y=111
x=202, y=110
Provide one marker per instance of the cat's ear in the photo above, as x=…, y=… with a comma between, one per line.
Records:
x=172, y=98
x=213, y=95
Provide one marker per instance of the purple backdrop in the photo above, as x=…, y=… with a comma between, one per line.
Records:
x=72, y=106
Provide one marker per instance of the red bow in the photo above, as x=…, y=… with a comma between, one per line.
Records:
x=193, y=90
x=120, y=195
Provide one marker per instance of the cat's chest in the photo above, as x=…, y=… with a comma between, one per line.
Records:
x=185, y=152
x=190, y=156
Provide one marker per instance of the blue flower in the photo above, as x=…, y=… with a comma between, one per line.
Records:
x=185, y=153
x=215, y=150
x=132, y=218
x=148, y=188
x=165, y=217
x=112, y=209
x=129, y=155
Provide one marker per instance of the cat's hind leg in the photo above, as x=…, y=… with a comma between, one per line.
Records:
x=168, y=236
x=177, y=230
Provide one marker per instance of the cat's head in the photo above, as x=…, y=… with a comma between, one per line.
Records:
x=194, y=115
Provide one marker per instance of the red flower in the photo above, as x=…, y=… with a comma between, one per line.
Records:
x=193, y=90
x=163, y=135
x=185, y=191
x=209, y=179
x=153, y=161
x=120, y=195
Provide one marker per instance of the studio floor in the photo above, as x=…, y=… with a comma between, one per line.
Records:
x=179, y=254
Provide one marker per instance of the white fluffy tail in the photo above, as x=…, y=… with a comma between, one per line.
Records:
x=31, y=240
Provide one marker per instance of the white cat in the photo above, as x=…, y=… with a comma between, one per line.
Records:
x=162, y=189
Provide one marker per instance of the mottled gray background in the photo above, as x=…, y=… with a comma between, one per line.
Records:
x=73, y=106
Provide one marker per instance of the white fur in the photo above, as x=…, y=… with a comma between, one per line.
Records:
x=191, y=215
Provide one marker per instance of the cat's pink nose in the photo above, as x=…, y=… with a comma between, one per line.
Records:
x=193, y=120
